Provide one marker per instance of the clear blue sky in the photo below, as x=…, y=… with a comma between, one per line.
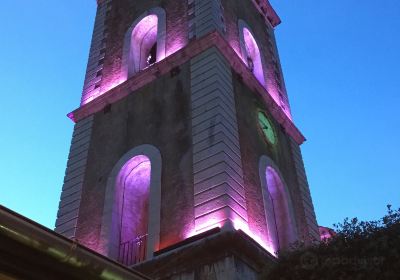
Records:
x=341, y=63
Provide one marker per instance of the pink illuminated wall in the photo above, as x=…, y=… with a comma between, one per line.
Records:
x=256, y=57
x=220, y=220
x=147, y=30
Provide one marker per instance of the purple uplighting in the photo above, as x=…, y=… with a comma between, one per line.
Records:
x=134, y=181
x=253, y=58
x=279, y=220
x=144, y=37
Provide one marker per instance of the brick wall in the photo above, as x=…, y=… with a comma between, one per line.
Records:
x=113, y=20
x=235, y=10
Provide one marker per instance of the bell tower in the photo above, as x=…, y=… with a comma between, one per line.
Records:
x=185, y=161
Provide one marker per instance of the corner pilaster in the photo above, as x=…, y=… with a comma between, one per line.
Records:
x=310, y=228
x=93, y=77
x=67, y=216
x=217, y=165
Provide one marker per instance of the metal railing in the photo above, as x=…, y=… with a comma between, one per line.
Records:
x=133, y=251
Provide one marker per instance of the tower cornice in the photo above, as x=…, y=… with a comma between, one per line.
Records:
x=177, y=59
x=266, y=9
x=263, y=6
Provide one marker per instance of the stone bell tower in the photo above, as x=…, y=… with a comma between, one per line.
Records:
x=185, y=161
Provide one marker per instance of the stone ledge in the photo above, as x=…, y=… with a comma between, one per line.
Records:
x=150, y=74
x=265, y=8
x=207, y=249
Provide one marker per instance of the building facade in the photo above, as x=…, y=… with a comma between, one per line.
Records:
x=184, y=132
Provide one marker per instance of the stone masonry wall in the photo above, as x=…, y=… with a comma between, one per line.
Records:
x=114, y=18
x=159, y=115
x=264, y=34
x=253, y=146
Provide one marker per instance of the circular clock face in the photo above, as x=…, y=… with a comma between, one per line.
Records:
x=266, y=127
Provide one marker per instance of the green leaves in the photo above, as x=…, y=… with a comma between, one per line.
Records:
x=360, y=250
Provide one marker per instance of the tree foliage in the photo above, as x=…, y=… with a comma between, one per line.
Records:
x=360, y=250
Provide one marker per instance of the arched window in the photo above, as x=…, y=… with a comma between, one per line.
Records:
x=134, y=183
x=131, y=216
x=251, y=53
x=278, y=207
x=144, y=42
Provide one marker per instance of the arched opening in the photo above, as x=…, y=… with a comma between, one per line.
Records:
x=134, y=183
x=278, y=220
x=278, y=208
x=130, y=229
x=152, y=55
x=251, y=52
x=144, y=42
